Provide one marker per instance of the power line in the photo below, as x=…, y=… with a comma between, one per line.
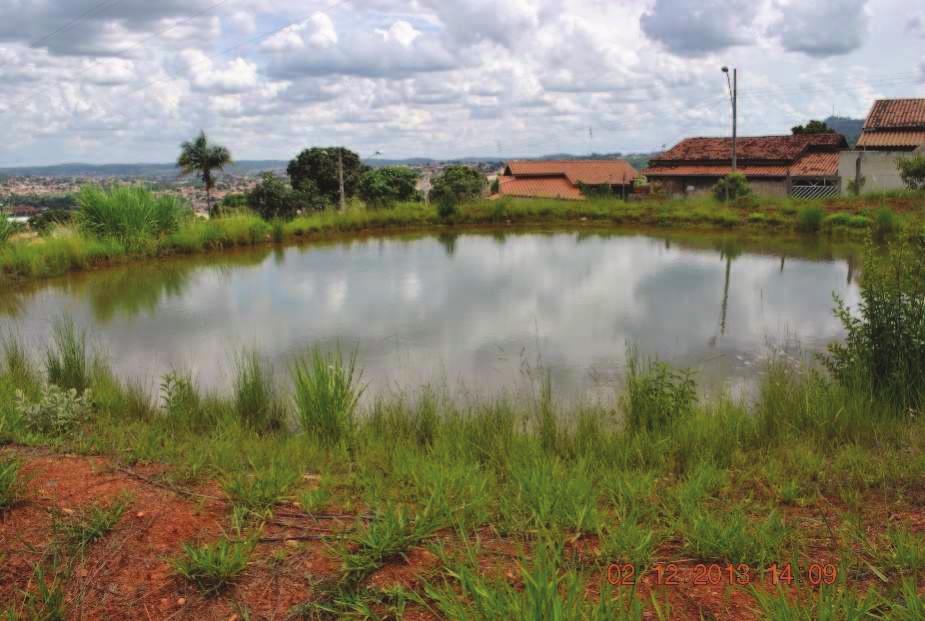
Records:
x=92, y=10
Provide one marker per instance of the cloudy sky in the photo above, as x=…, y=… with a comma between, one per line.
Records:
x=128, y=80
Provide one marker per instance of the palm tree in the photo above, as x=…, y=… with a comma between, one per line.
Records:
x=202, y=158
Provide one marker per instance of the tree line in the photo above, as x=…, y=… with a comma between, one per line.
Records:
x=321, y=177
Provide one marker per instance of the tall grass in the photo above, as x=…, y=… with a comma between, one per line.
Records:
x=67, y=359
x=656, y=394
x=6, y=228
x=809, y=219
x=133, y=215
x=327, y=389
x=11, y=484
x=255, y=395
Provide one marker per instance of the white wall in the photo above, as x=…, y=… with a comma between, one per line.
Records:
x=877, y=167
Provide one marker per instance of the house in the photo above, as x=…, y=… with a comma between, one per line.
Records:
x=894, y=128
x=564, y=179
x=803, y=165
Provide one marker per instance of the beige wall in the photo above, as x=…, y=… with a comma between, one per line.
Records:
x=877, y=167
x=674, y=186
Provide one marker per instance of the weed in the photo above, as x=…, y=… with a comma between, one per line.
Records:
x=327, y=389
x=131, y=214
x=255, y=396
x=77, y=531
x=656, y=394
x=734, y=538
x=57, y=413
x=835, y=602
x=212, y=567
x=46, y=602
x=809, y=219
x=885, y=224
x=259, y=491
x=11, y=484
x=67, y=360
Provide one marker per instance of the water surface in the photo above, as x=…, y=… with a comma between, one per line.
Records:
x=477, y=311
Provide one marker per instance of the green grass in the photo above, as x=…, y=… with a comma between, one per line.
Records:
x=260, y=490
x=327, y=389
x=256, y=402
x=212, y=567
x=126, y=223
x=67, y=359
x=11, y=483
x=81, y=529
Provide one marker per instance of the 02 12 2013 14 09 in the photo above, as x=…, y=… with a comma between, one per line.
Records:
x=714, y=574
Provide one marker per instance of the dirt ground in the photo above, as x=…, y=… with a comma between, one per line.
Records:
x=128, y=575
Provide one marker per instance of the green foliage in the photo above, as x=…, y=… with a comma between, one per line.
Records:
x=809, y=219
x=67, y=360
x=255, y=396
x=455, y=186
x=77, y=531
x=496, y=185
x=912, y=171
x=731, y=187
x=202, y=158
x=272, y=198
x=327, y=390
x=260, y=490
x=813, y=127
x=383, y=187
x=6, y=228
x=884, y=349
x=182, y=402
x=734, y=538
x=656, y=394
x=45, y=221
x=213, y=567
x=132, y=215
x=885, y=224
x=317, y=169
x=11, y=483
x=59, y=411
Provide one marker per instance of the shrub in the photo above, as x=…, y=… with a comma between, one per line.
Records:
x=656, y=394
x=884, y=349
x=731, y=187
x=455, y=185
x=809, y=219
x=133, y=215
x=383, y=187
x=58, y=412
x=885, y=224
x=912, y=171
x=272, y=198
x=327, y=389
x=747, y=202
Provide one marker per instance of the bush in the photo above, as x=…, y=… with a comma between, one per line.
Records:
x=383, y=187
x=731, y=187
x=272, y=198
x=885, y=345
x=747, y=202
x=656, y=394
x=885, y=224
x=327, y=390
x=809, y=219
x=912, y=171
x=456, y=185
x=133, y=215
x=318, y=169
x=58, y=412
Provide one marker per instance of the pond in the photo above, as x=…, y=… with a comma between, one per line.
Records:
x=477, y=312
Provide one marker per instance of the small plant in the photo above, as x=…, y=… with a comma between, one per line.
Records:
x=809, y=219
x=327, y=390
x=212, y=567
x=912, y=171
x=259, y=491
x=79, y=530
x=732, y=187
x=57, y=413
x=181, y=401
x=885, y=224
x=255, y=399
x=67, y=361
x=11, y=485
x=656, y=394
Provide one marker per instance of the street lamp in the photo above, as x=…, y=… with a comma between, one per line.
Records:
x=734, y=96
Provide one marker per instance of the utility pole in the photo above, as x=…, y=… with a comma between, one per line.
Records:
x=340, y=174
x=734, y=96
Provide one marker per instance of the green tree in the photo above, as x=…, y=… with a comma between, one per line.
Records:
x=455, y=185
x=813, y=127
x=272, y=198
x=732, y=186
x=912, y=171
x=202, y=158
x=320, y=167
x=383, y=187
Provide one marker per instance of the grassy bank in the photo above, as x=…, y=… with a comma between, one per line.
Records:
x=812, y=471
x=87, y=245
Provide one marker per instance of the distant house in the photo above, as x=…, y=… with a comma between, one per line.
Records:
x=564, y=179
x=805, y=164
x=894, y=128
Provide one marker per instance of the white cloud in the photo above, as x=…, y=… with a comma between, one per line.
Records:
x=823, y=27
x=696, y=27
x=237, y=76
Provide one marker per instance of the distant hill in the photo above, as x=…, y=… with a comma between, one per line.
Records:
x=135, y=171
x=849, y=128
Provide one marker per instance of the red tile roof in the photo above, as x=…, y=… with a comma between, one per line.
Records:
x=590, y=172
x=539, y=187
x=714, y=170
x=882, y=139
x=755, y=148
x=816, y=165
x=896, y=114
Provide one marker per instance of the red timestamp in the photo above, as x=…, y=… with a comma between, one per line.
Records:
x=714, y=574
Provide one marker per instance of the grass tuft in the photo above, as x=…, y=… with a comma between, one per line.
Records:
x=327, y=390
x=212, y=567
